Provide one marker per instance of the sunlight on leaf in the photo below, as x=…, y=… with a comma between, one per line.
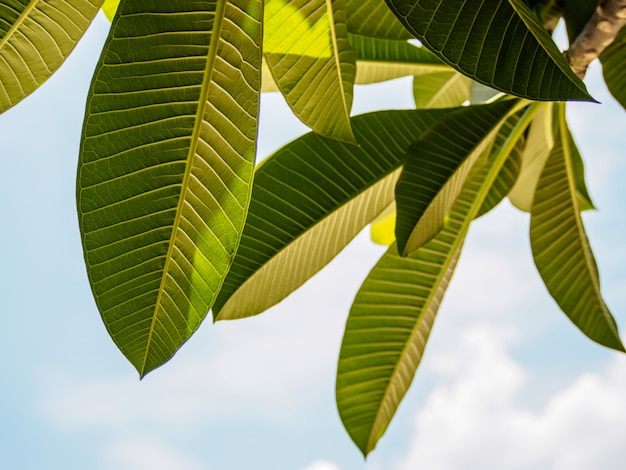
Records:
x=166, y=165
x=309, y=200
x=308, y=53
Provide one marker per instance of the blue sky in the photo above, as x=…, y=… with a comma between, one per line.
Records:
x=506, y=381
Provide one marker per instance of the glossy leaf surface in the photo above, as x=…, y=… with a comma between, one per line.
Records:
x=35, y=38
x=499, y=43
x=166, y=166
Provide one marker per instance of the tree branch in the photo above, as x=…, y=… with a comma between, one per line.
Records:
x=599, y=32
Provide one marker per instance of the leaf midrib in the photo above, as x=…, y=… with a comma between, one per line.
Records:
x=456, y=245
x=565, y=142
x=202, y=103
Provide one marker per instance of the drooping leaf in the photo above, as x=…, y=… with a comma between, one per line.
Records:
x=308, y=52
x=309, y=200
x=441, y=89
x=393, y=312
x=166, y=165
x=382, y=59
x=36, y=36
x=437, y=166
x=561, y=249
x=374, y=19
x=385, y=336
x=613, y=59
x=499, y=43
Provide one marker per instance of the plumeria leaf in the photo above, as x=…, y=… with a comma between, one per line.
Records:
x=561, y=249
x=309, y=200
x=36, y=36
x=308, y=53
x=437, y=166
x=499, y=43
x=166, y=166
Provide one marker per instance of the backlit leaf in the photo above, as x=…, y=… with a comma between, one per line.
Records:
x=166, y=165
x=561, y=249
x=36, y=36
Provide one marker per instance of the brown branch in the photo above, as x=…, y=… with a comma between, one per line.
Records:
x=599, y=32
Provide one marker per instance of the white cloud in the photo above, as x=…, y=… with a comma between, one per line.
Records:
x=476, y=419
x=275, y=365
x=145, y=454
x=322, y=465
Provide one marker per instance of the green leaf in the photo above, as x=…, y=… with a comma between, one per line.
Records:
x=166, y=164
x=307, y=50
x=309, y=200
x=394, y=311
x=613, y=59
x=537, y=149
x=36, y=36
x=374, y=19
x=539, y=143
x=386, y=333
x=561, y=249
x=436, y=169
x=441, y=90
x=382, y=59
x=499, y=43
x=510, y=170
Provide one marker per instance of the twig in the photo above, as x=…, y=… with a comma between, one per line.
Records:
x=599, y=32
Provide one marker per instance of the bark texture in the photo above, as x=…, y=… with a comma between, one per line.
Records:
x=599, y=32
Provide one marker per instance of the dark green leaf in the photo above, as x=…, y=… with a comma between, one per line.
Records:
x=576, y=13
x=499, y=43
x=437, y=166
x=393, y=312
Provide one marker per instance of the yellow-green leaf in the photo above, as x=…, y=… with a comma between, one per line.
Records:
x=36, y=36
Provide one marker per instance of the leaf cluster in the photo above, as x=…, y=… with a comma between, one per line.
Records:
x=177, y=220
